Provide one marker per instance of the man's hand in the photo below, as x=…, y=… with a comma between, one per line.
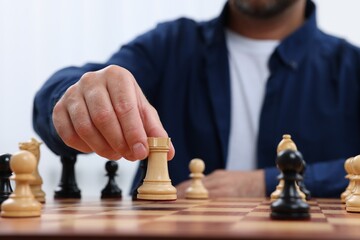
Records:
x=106, y=112
x=222, y=183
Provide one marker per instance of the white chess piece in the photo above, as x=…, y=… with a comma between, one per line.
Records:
x=353, y=201
x=33, y=146
x=22, y=202
x=157, y=183
x=196, y=189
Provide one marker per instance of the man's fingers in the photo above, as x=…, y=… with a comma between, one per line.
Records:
x=85, y=129
x=154, y=128
x=65, y=129
x=215, y=179
x=125, y=103
x=151, y=120
x=104, y=118
x=106, y=112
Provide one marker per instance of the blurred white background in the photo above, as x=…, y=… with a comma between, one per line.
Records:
x=38, y=37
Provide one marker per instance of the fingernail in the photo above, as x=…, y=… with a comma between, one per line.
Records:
x=139, y=151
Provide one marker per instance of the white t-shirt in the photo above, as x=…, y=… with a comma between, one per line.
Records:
x=248, y=60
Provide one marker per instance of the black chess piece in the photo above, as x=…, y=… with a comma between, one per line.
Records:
x=5, y=173
x=68, y=187
x=143, y=169
x=290, y=205
x=111, y=189
x=301, y=183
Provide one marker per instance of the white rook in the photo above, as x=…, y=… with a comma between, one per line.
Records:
x=157, y=183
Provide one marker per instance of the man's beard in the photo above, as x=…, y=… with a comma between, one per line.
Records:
x=263, y=9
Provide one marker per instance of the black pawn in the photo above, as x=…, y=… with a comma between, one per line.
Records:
x=111, y=189
x=290, y=205
x=5, y=173
x=68, y=187
x=143, y=169
x=302, y=184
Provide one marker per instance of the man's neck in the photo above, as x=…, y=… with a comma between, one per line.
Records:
x=276, y=28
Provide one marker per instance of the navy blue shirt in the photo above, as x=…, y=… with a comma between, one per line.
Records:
x=182, y=66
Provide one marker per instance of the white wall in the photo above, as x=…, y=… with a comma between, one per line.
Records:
x=38, y=37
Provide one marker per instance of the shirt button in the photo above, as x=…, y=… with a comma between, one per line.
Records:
x=293, y=64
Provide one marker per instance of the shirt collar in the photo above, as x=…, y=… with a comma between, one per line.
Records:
x=291, y=49
x=214, y=30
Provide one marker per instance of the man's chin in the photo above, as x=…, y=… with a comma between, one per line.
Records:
x=263, y=9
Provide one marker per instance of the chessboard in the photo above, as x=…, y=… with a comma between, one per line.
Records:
x=223, y=218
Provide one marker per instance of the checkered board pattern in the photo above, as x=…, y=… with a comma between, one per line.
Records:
x=225, y=218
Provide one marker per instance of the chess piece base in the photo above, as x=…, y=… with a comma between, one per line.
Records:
x=28, y=208
x=190, y=195
x=111, y=196
x=290, y=210
x=153, y=190
x=164, y=197
x=289, y=216
x=353, y=204
x=110, y=192
x=353, y=209
x=196, y=192
x=67, y=193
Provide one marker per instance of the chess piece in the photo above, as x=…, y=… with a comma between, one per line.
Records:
x=301, y=183
x=5, y=173
x=353, y=201
x=22, y=202
x=196, y=190
x=143, y=169
x=290, y=205
x=276, y=194
x=33, y=146
x=285, y=143
x=68, y=187
x=111, y=189
x=157, y=184
x=349, y=175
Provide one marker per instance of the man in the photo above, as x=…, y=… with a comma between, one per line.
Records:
x=224, y=91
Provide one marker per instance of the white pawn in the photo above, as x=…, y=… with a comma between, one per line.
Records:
x=196, y=189
x=348, y=168
x=21, y=202
x=353, y=200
